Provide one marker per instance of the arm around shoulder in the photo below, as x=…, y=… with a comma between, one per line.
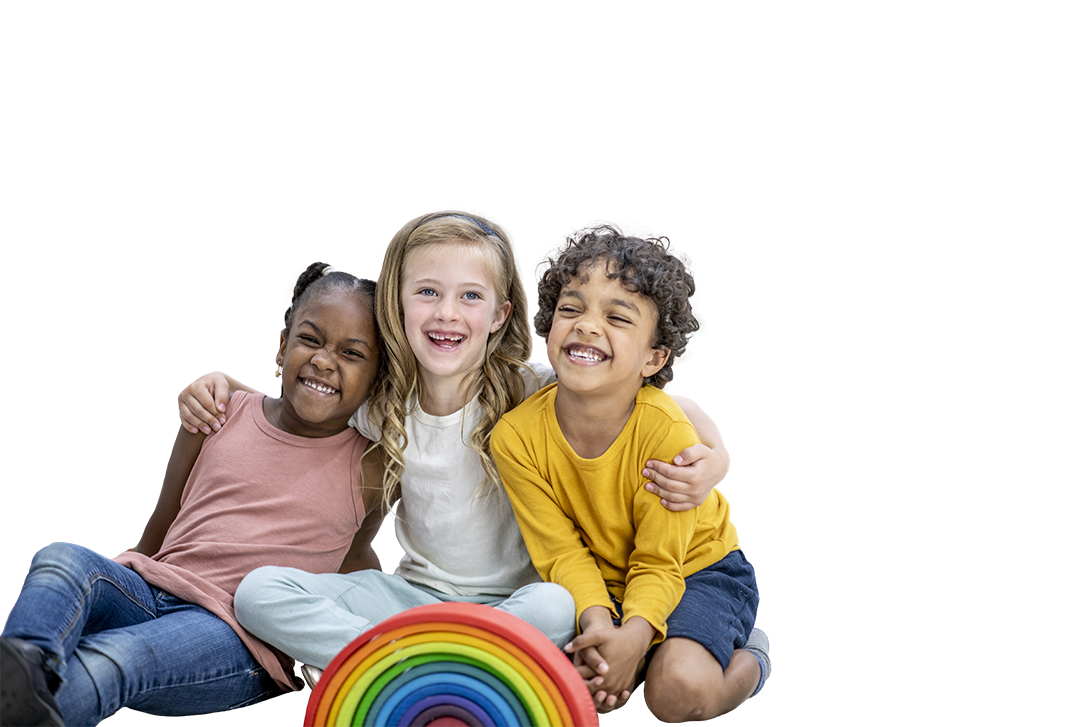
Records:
x=686, y=481
x=202, y=404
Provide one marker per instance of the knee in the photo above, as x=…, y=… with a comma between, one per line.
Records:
x=70, y=562
x=676, y=692
x=552, y=612
x=547, y=607
x=261, y=586
x=58, y=555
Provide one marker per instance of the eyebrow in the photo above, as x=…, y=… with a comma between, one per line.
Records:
x=460, y=284
x=360, y=341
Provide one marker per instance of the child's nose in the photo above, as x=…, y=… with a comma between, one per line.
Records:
x=588, y=325
x=322, y=359
x=447, y=309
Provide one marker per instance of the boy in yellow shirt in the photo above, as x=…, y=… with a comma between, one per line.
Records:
x=658, y=593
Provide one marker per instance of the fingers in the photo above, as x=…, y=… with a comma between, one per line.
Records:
x=594, y=660
x=195, y=418
x=605, y=702
x=190, y=421
x=672, y=484
x=589, y=675
x=692, y=455
x=686, y=483
x=201, y=406
x=221, y=393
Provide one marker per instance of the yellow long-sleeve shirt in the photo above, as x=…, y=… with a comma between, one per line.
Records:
x=588, y=523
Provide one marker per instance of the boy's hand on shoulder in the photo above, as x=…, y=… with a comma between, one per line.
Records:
x=688, y=481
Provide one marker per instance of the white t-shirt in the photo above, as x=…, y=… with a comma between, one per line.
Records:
x=454, y=543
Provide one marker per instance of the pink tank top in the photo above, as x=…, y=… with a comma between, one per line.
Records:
x=258, y=496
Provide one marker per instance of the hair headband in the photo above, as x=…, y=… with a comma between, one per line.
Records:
x=483, y=227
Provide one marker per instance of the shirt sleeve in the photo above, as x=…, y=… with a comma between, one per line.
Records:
x=655, y=580
x=551, y=537
x=537, y=377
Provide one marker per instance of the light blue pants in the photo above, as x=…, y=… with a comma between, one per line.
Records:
x=311, y=617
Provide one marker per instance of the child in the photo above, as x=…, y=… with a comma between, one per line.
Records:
x=669, y=589
x=154, y=629
x=453, y=318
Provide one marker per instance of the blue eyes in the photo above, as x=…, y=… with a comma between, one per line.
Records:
x=470, y=295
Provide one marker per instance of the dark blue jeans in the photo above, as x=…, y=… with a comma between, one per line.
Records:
x=114, y=641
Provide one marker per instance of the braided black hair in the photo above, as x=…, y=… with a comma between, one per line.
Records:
x=315, y=280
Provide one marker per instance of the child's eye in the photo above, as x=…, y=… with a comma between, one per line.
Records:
x=472, y=295
x=309, y=339
x=567, y=310
x=427, y=291
x=355, y=354
x=619, y=319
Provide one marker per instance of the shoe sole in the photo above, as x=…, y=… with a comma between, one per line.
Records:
x=20, y=703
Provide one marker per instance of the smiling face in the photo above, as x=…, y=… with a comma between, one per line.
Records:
x=330, y=357
x=600, y=342
x=450, y=306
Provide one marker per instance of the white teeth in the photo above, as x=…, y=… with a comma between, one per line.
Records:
x=440, y=338
x=320, y=387
x=585, y=355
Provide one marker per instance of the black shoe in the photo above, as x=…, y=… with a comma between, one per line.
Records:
x=25, y=699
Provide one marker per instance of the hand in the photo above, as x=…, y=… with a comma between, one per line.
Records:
x=609, y=657
x=687, y=482
x=202, y=404
x=603, y=701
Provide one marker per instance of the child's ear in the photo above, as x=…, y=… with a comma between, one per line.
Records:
x=283, y=347
x=501, y=315
x=659, y=357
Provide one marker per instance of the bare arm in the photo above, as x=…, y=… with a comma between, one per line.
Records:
x=186, y=448
x=202, y=404
x=687, y=481
x=361, y=555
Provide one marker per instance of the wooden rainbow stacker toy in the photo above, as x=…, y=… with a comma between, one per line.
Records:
x=447, y=665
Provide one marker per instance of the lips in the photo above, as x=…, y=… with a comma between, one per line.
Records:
x=319, y=386
x=585, y=354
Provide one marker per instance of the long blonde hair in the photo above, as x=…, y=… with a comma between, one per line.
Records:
x=499, y=382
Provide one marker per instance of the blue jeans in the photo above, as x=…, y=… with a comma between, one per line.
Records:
x=114, y=641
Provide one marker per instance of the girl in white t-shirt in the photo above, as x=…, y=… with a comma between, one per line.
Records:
x=455, y=329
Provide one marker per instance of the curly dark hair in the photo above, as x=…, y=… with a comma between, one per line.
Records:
x=644, y=266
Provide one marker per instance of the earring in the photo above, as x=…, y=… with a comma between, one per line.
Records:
x=278, y=370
